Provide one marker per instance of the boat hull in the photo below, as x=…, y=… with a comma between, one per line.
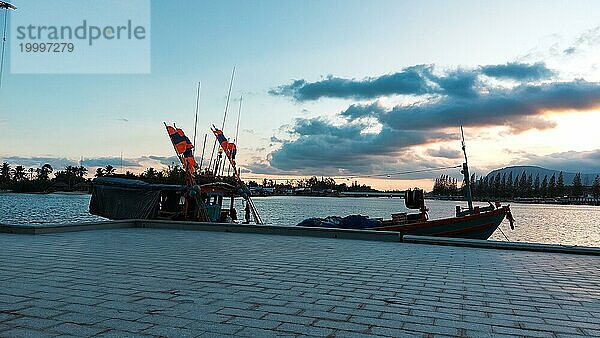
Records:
x=478, y=226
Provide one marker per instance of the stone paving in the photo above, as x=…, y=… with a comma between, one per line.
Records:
x=173, y=283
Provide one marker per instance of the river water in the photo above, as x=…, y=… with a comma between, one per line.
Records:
x=558, y=224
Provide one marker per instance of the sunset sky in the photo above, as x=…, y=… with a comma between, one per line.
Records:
x=333, y=88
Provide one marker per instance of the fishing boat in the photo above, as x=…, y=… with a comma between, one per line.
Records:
x=473, y=222
x=117, y=198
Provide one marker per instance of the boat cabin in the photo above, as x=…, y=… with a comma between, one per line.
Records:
x=122, y=198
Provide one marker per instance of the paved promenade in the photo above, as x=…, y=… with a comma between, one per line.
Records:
x=174, y=283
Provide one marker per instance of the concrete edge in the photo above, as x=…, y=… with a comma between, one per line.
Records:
x=382, y=236
x=487, y=244
x=371, y=235
x=59, y=228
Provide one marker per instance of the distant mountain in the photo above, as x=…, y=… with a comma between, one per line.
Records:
x=586, y=179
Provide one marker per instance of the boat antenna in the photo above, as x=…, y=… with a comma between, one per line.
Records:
x=196, y=119
x=237, y=127
x=203, y=147
x=6, y=6
x=224, y=117
x=465, y=172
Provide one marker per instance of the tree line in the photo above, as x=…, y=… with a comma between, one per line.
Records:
x=313, y=184
x=501, y=185
x=74, y=178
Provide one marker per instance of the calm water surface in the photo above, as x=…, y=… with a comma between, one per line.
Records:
x=559, y=224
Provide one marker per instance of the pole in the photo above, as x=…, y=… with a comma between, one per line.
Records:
x=3, y=42
x=237, y=127
x=203, y=147
x=224, y=115
x=196, y=119
x=465, y=172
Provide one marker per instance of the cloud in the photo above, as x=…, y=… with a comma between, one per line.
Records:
x=417, y=80
x=500, y=107
x=166, y=160
x=411, y=80
x=317, y=145
x=519, y=71
x=444, y=152
x=588, y=38
x=321, y=145
x=113, y=161
x=38, y=161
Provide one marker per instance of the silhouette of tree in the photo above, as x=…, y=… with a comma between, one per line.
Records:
x=536, y=186
x=577, y=186
x=5, y=171
x=596, y=187
x=109, y=170
x=43, y=173
x=560, y=185
x=19, y=173
x=544, y=186
x=510, y=192
x=552, y=186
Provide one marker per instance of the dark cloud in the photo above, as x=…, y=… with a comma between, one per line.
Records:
x=411, y=80
x=445, y=153
x=320, y=144
x=356, y=111
x=416, y=80
x=519, y=71
x=501, y=107
x=461, y=83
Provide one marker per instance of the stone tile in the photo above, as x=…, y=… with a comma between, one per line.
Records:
x=183, y=283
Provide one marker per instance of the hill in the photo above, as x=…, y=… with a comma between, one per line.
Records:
x=586, y=179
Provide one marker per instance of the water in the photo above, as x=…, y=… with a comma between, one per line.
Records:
x=558, y=224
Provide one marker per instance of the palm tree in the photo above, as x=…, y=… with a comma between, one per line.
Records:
x=109, y=170
x=81, y=171
x=19, y=173
x=150, y=173
x=5, y=172
x=43, y=173
x=99, y=172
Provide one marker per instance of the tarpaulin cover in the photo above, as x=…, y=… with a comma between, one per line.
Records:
x=118, y=198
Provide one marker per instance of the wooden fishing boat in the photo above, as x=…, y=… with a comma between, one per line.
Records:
x=473, y=222
x=122, y=198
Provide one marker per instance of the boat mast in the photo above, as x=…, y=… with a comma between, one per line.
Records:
x=196, y=118
x=465, y=172
x=203, y=148
x=224, y=118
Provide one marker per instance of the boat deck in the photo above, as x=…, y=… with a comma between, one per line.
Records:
x=176, y=283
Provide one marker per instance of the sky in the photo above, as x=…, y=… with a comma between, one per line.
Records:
x=332, y=88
